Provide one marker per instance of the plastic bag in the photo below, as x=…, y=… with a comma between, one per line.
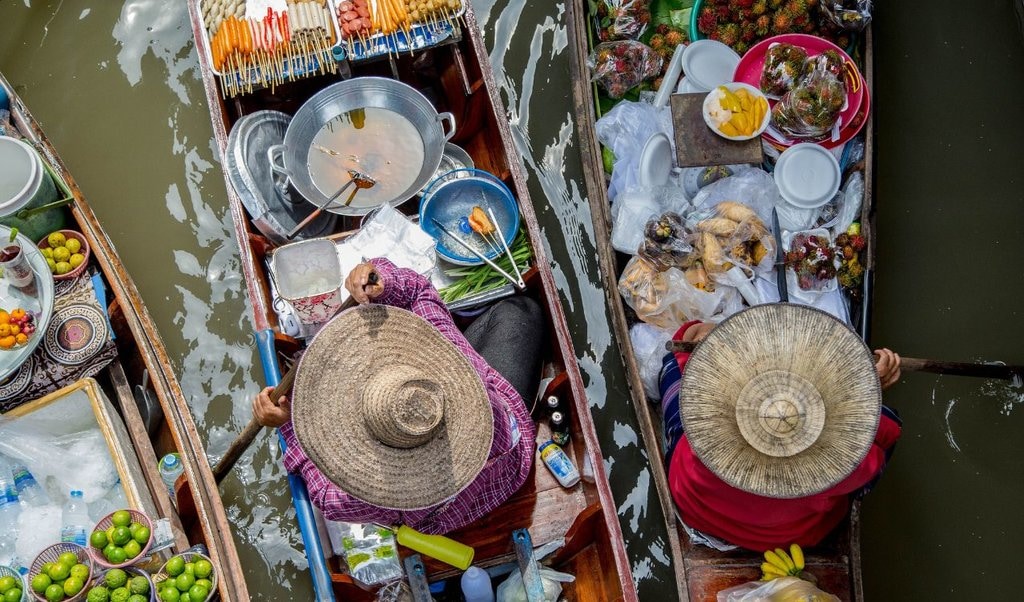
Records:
x=811, y=262
x=625, y=130
x=622, y=19
x=754, y=188
x=618, y=66
x=849, y=210
x=665, y=241
x=783, y=589
x=783, y=67
x=513, y=590
x=667, y=299
x=634, y=208
x=852, y=15
x=370, y=553
x=811, y=109
x=649, y=346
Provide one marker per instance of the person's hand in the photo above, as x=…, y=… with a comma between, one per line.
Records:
x=698, y=332
x=887, y=364
x=269, y=414
x=358, y=283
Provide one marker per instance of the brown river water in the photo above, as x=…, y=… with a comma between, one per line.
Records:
x=116, y=87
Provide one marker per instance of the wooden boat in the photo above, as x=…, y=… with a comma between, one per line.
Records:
x=584, y=514
x=197, y=514
x=702, y=571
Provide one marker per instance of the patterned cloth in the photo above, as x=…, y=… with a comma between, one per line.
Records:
x=77, y=343
x=508, y=463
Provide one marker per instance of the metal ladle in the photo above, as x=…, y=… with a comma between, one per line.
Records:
x=358, y=178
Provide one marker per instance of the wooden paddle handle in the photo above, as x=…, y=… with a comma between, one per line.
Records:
x=680, y=346
x=998, y=371
x=246, y=437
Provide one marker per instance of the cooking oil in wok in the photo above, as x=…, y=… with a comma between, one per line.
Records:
x=380, y=143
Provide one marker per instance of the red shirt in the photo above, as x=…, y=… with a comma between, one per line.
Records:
x=756, y=522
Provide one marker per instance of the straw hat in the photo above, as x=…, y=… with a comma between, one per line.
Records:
x=390, y=410
x=781, y=400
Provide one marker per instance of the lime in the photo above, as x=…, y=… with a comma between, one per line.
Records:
x=68, y=558
x=184, y=581
x=205, y=583
x=120, y=594
x=141, y=535
x=203, y=569
x=12, y=595
x=47, y=252
x=76, y=260
x=61, y=268
x=190, y=568
x=117, y=556
x=99, y=540
x=138, y=598
x=46, y=568
x=59, y=572
x=116, y=578
x=175, y=566
x=138, y=585
x=184, y=597
x=81, y=571
x=7, y=584
x=98, y=594
x=198, y=593
x=132, y=548
x=72, y=586
x=56, y=239
x=121, y=536
x=40, y=582
x=121, y=518
x=169, y=594
x=73, y=244
x=55, y=593
x=61, y=254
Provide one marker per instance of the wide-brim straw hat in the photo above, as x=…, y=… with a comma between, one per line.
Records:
x=390, y=410
x=781, y=400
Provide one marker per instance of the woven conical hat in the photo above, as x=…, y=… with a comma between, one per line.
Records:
x=390, y=410
x=781, y=400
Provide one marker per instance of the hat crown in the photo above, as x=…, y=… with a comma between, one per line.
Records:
x=401, y=408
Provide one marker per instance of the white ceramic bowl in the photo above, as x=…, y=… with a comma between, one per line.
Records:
x=732, y=87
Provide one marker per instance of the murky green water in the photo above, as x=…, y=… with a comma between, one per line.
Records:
x=116, y=87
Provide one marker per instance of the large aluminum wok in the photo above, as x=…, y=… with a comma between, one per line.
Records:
x=342, y=98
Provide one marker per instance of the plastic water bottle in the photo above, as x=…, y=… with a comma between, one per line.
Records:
x=29, y=491
x=9, y=511
x=170, y=469
x=476, y=585
x=75, y=520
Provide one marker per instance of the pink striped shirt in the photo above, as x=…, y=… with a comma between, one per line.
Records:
x=511, y=454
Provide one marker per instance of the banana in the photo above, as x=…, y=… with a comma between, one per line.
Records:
x=790, y=565
x=798, y=556
x=770, y=571
x=775, y=560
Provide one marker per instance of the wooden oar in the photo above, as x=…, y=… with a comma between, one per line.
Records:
x=913, y=364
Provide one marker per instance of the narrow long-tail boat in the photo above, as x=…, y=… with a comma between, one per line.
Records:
x=701, y=571
x=584, y=515
x=196, y=514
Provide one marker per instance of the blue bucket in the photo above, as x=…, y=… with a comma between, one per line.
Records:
x=450, y=198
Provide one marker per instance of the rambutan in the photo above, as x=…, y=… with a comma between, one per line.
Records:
x=812, y=4
x=763, y=25
x=706, y=22
x=745, y=3
x=730, y=33
x=657, y=42
x=760, y=7
x=796, y=8
x=774, y=4
x=723, y=13
x=749, y=32
x=782, y=22
x=741, y=47
x=662, y=29
x=674, y=38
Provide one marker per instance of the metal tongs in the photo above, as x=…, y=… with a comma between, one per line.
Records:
x=517, y=282
x=358, y=178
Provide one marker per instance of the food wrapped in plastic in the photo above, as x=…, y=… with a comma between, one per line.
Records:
x=371, y=553
x=783, y=589
x=811, y=109
x=733, y=236
x=812, y=258
x=783, y=67
x=619, y=66
x=665, y=242
x=622, y=19
x=852, y=15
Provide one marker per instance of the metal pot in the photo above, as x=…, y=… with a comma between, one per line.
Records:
x=339, y=101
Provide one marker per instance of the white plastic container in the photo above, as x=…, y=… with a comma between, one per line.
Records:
x=24, y=184
x=476, y=585
x=708, y=64
x=308, y=277
x=559, y=463
x=808, y=175
x=75, y=520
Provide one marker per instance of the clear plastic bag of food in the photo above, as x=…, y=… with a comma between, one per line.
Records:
x=621, y=65
x=811, y=261
x=669, y=298
x=370, y=552
x=622, y=19
x=665, y=241
x=852, y=15
x=783, y=589
x=783, y=67
x=811, y=109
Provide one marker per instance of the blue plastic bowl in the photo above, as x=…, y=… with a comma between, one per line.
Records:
x=450, y=198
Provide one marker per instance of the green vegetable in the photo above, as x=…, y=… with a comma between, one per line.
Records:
x=482, y=278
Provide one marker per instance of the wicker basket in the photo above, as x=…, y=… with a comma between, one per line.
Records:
x=132, y=572
x=6, y=571
x=51, y=554
x=105, y=523
x=188, y=557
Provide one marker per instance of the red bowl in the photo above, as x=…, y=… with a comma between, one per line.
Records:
x=45, y=244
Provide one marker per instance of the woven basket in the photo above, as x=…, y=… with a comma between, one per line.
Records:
x=132, y=572
x=51, y=554
x=105, y=523
x=188, y=557
x=6, y=571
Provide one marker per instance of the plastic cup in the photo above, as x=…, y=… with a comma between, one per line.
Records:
x=14, y=263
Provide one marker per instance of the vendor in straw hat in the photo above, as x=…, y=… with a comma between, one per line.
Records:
x=399, y=418
x=781, y=407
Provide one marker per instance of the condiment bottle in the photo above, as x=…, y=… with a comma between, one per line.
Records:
x=559, y=429
x=559, y=464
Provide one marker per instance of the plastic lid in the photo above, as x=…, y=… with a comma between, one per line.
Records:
x=709, y=63
x=807, y=175
x=655, y=161
x=19, y=174
x=76, y=493
x=171, y=461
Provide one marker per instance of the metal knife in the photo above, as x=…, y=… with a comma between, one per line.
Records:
x=780, y=259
